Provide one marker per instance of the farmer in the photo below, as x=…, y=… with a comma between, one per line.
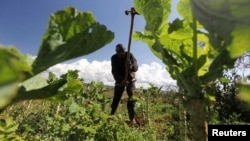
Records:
x=119, y=64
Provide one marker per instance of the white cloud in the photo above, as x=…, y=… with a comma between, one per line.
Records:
x=101, y=71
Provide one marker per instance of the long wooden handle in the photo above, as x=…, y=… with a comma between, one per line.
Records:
x=129, y=43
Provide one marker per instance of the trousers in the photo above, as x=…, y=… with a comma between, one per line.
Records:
x=118, y=91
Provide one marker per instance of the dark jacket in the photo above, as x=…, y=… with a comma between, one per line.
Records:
x=118, y=67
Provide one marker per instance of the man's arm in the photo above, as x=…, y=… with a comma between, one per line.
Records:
x=134, y=64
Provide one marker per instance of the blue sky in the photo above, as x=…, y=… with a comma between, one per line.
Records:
x=23, y=23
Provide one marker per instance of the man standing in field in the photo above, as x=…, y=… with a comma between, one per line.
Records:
x=118, y=69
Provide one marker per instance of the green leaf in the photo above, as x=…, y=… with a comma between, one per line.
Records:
x=70, y=34
x=39, y=93
x=217, y=46
x=89, y=130
x=211, y=98
x=74, y=86
x=219, y=64
x=8, y=126
x=227, y=21
x=33, y=83
x=51, y=78
x=244, y=93
x=66, y=127
x=240, y=42
x=155, y=12
x=184, y=9
x=224, y=80
x=7, y=94
x=75, y=108
x=14, y=66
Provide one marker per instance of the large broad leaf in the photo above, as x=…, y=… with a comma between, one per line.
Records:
x=7, y=93
x=33, y=83
x=173, y=42
x=70, y=34
x=214, y=49
x=244, y=95
x=29, y=91
x=39, y=88
x=228, y=24
x=227, y=21
x=14, y=68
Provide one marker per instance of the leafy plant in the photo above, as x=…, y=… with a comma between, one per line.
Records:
x=196, y=51
x=70, y=34
x=80, y=116
x=229, y=106
x=8, y=130
x=194, y=56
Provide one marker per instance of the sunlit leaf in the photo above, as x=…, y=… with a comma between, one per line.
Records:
x=70, y=34
x=155, y=12
x=227, y=21
x=89, y=129
x=14, y=66
x=35, y=82
x=210, y=98
x=41, y=93
x=66, y=127
x=74, y=86
x=73, y=108
x=244, y=93
x=9, y=91
x=173, y=42
x=184, y=9
x=7, y=94
x=240, y=42
x=11, y=126
x=224, y=80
